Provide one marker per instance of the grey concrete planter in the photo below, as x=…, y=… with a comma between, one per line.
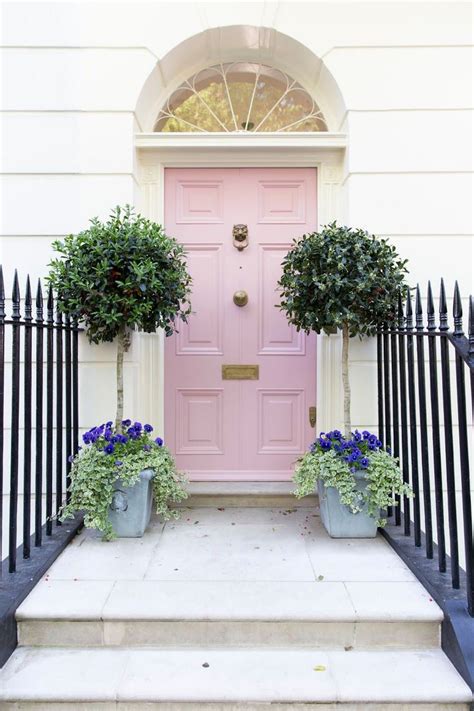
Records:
x=338, y=519
x=130, y=510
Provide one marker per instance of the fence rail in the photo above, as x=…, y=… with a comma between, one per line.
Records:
x=425, y=369
x=39, y=362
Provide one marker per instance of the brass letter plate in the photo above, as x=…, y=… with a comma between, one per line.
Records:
x=240, y=372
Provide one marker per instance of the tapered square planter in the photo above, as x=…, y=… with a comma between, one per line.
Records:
x=130, y=510
x=338, y=519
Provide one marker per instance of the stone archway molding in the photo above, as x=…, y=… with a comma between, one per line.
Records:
x=233, y=43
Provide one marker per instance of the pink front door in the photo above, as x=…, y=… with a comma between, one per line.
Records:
x=227, y=429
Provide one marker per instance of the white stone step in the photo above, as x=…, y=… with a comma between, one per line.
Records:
x=245, y=493
x=329, y=615
x=198, y=679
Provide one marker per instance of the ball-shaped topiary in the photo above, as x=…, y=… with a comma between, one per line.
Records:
x=341, y=278
x=120, y=275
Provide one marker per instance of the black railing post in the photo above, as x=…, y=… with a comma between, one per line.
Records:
x=413, y=425
x=380, y=405
x=448, y=437
x=464, y=456
x=395, y=412
x=470, y=542
x=438, y=480
x=387, y=436
x=425, y=467
x=68, y=384
x=39, y=417
x=59, y=415
x=387, y=439
x=2, y=397
x=75, y=386
x=405, y=458
x=28, y=318
x=49, y=410
x=15, y=425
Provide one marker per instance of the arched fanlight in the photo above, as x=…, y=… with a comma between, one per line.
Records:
x=237, y=97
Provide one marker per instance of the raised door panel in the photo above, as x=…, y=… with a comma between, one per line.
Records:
x=199, y=201
x=202, y=335
x=281, y=201
x=276, y=337
x=280, y=421
x=199, y=421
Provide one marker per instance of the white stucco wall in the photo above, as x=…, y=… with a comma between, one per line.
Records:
x=72, y=74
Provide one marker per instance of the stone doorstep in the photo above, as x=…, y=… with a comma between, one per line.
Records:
x=223, y=634
x=204, y=706
x=228, y=613
x=244, y=706
x=245, y=494
x=192, y=679
x=229, y=602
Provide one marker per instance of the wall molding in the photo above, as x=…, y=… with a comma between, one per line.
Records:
x=165, y=142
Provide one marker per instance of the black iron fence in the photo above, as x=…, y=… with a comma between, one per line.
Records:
x=425, y=375
x=39, y=428
x=43, y=379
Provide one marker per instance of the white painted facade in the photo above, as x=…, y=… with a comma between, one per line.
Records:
x=82, y=84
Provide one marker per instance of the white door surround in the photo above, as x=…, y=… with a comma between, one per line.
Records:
x=158, y=151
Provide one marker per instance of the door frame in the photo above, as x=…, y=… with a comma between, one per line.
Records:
x=154, y=156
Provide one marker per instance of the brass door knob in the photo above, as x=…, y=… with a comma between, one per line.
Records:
x=241, y=298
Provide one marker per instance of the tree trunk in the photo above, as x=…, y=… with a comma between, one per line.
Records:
x=345, y=380
x=121, y=344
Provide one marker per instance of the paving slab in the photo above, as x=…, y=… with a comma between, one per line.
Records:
x=232, y=676
x=39, y=674
x=394, y=600
x=251, y=552
x=67, y=599
x=228, y=600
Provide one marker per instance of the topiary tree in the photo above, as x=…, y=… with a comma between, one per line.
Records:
x=121, y=275
x=341, y=278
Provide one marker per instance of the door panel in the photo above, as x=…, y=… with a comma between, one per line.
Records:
x=203, y=334
x=238, y=429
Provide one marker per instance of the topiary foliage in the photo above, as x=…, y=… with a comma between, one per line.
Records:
x=122, y=274
x=341, y=278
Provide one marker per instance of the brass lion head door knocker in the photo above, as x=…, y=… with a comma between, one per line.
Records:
x=240, y=234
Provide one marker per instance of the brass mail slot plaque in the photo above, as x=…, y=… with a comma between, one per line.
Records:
x=240, y=372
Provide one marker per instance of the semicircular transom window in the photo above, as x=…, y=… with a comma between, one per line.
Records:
x=238, y=97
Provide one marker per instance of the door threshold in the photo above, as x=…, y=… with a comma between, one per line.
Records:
x=245, y=494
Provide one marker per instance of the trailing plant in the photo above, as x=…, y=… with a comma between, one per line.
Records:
x=121, y=275
x=340, y=463
x=341, y=278
x=110, y=454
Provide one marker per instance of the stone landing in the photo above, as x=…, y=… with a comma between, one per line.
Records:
x=234, y=606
